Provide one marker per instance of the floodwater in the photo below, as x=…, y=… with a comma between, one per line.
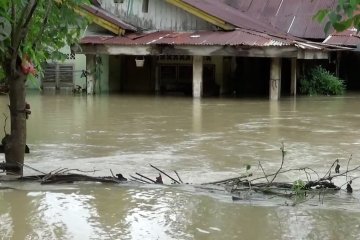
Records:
x=203, y=140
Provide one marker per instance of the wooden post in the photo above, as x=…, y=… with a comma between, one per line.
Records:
x=197, y=76
x=90, y=69
x=338, y=57
x=293, y=76
x=275, y=78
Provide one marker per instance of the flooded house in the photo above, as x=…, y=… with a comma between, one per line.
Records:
x=202, y=48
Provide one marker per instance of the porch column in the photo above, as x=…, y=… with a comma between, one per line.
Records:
x=197, y=76
x=275, y=78
x=293, y=76
x=90, y=69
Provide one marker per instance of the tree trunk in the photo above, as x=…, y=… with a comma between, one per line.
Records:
x=16, y=141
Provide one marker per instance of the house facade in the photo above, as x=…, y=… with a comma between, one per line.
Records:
x=201, y=48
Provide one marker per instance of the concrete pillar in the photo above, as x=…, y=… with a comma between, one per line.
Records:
x=197, y=115
x=90, y=69
x=197, y=76
x=293, y=76
x=275, y=78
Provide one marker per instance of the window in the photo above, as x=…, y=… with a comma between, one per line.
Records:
x=58, y=76
x=70, y=56
x=145, y=6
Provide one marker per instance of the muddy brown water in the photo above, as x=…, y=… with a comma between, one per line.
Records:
x=204, y=140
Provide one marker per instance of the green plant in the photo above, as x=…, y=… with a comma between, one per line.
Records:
x=298, y=187
x=319, y=81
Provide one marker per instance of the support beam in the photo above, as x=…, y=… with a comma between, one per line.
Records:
x=90, y=69
x=275, y=79
x=197, y=76
x=293, y=76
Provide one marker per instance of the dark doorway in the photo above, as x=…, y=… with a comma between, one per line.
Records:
x=251, y=77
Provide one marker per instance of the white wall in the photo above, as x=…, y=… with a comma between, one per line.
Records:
x=79, y=65
x=161, y=15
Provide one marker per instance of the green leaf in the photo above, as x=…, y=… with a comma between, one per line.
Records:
x=5, y=28
x=342, y=26
x=320, y=15
x=354, y=3
x=327, y=27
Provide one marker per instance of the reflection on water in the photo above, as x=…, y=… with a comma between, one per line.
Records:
x=204, y=140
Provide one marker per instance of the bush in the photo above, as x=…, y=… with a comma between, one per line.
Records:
x=319, y=81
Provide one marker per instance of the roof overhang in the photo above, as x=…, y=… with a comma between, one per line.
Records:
x=104, y=19
x=243, y=43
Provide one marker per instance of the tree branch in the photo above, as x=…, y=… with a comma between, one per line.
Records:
x=13, y=17
x=44, y=24
x=22, y=29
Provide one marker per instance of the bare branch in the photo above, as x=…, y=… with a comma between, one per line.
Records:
x=176, y=181
x=329, y=171
x=347, y=166
x=146, y=177
x=282, y=161
x=36, y=170
x=22, y=29
x=44, y=24
x=178, y=176
x=263, y=172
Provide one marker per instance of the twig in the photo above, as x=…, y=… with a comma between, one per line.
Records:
x=329, y=171
x=282, y=161
x=178, y=176
x=263, y=172
x=230, y=179
x=165, y=174
x=24, y=165
x=340, y=174
x=112, y=173
x=146, y=178
x=347, y=166
x=349, y=181
x=66, y=170
x=141, y=180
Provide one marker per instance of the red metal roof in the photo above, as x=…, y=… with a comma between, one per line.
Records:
x=205, y=38
x=289, y=16
x=231, y=15
x=347, y=38
x=108, y=17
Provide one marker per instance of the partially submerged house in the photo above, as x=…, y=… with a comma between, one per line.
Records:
x=201, y=47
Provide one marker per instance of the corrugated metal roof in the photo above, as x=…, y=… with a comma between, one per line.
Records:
x=347, y=38
x=198, y=38
x=101, y=13
x=231, y=15
x=289, y=16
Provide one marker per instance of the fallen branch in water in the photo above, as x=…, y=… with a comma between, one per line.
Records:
x=240, y=187
x=175, y=181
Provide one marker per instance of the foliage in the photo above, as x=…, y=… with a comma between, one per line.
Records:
x=344, y=16
x=319, y=81
x=298, y=187
x=40, y=30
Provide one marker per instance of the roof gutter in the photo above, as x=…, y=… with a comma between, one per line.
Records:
x=201, y=14
x=100, y=21
x=96, y=19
